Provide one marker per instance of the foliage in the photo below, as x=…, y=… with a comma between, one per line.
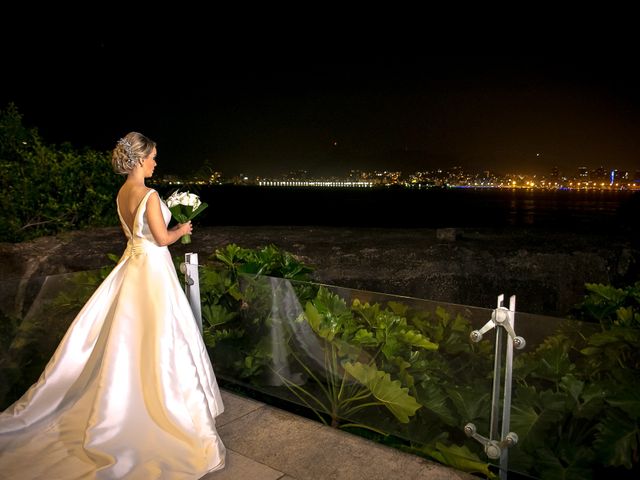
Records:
x=457, y=456
x=221, y=296
x=609, y=305
x=345, y=384
x=372, y=366
x=414, y=374
x=407, y=372
x=269, y=260
x=45, y=189
x=576, y=406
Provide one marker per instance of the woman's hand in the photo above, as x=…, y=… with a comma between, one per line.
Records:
x=185, y=228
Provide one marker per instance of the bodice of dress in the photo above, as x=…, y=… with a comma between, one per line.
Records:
x=140, y=239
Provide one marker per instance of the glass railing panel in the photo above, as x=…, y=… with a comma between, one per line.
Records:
x=16, y=295
x=392, y=365
x=35, y=314
x=367, y=360
x=364, y=361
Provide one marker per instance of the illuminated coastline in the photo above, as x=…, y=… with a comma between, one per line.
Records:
x=456, y=177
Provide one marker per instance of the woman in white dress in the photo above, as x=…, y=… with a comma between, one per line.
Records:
x=130, y=392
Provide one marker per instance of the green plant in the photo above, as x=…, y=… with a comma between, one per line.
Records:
x=238, y=339
x=576, y=405
x=45, y=189
x=609, y=305
x=345, y=384
x=221, y=295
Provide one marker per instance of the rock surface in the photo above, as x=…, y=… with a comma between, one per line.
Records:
x=546, y=270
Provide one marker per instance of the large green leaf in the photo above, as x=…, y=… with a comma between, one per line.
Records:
x=571, y=462
x=470, y=402
x=315, y=321
x=398, y=308
x=627, y=399
x=404, y=375
x=574, y=387
x=416, y=339
x=618, y=439
x=392, y=346
x=365, y=338
x=435, y=399
x=366, y=311
x=229, y=255
x=612, y=306
x=217, y=314
x=390, y=392
x=459, y=457
x=325, y=326
x=329, y=315
x=212, y=337
x=550, y=361
x=534, y=414
x=613, y=349
x=329, y=303
x=592, y=401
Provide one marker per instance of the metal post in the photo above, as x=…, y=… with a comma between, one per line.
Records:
x=497, y=446
x=497, y=376
x=506, y=409
x=192, y=285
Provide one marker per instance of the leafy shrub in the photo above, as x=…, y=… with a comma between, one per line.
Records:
x=576, y=405
x=221, y=297
x=45, y=189
x=610, y=306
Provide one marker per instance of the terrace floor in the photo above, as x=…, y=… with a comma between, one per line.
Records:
x=267, y=443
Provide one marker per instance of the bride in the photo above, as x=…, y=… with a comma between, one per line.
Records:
x=130, y=392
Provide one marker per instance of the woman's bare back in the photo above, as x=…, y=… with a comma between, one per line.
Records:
x=128, y=199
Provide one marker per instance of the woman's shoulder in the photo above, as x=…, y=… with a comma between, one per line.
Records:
x=142, y=192
x=135, y=190
x=150, y=197
x=133, y=195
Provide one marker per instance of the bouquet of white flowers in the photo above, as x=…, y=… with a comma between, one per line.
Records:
x=185, y=206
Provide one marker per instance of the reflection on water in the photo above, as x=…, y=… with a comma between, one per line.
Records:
x=522, y=212
x=404, y=207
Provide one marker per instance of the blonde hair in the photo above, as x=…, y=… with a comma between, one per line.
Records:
x=130, y=151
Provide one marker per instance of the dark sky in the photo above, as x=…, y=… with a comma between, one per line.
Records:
x=259, y=115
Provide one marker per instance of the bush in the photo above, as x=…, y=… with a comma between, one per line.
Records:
x=45, y=189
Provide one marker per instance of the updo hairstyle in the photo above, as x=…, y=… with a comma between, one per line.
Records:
x=130, y=151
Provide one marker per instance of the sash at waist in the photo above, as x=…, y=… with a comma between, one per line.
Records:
x=142, y=247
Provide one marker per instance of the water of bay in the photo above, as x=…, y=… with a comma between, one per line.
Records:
x=586, y=211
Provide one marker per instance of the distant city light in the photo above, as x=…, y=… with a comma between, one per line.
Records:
x=291, y=183
x=582, y=178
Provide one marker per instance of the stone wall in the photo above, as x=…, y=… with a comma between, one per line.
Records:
x=546, y=270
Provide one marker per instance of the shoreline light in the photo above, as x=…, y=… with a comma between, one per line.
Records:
x=310, y=183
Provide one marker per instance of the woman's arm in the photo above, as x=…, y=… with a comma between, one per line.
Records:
x=161, y=234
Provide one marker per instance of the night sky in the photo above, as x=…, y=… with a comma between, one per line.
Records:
x=261, y=116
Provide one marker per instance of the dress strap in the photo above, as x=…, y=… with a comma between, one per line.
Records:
x=142, y=206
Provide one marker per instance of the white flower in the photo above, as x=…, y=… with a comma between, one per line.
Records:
x=172, y=201
x=192, y=200
x=183, y=198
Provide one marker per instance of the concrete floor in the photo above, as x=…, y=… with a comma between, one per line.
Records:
x=266, y=443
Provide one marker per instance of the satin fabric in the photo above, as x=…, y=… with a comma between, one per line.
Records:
x=130, y=392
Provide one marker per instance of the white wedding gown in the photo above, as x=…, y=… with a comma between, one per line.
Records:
x=130, y=392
